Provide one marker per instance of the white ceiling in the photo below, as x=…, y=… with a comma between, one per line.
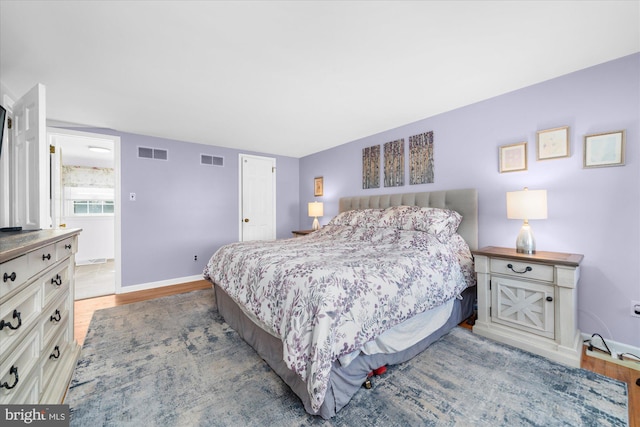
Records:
x=294, y=78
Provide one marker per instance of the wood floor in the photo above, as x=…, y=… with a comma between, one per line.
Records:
x=84, y=311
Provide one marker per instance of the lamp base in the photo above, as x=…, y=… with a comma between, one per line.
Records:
x=316, y=224
x=525, y=243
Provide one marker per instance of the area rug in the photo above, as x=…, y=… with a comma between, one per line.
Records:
x=173, y=361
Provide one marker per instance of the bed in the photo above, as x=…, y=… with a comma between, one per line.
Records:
x=385, y=278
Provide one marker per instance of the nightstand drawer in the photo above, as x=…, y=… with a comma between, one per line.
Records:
x=522, y=270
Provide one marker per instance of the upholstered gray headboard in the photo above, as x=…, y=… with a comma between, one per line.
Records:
x=465, y=202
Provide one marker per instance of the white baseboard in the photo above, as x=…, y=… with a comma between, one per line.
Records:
x=160, y=284
x=616, y=348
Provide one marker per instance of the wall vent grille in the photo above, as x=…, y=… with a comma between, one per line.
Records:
x=206, y=159
x=152, y=153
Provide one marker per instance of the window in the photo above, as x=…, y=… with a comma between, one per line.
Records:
x=92, y=207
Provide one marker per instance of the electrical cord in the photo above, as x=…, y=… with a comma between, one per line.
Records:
x=621, y=356
x=593, y=347
x=630, y=356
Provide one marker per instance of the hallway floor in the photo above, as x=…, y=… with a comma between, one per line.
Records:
x=95, y=279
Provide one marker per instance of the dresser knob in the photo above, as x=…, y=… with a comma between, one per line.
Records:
x=549, y=299
x=11, y=276
x=46, y=257
x=56, y=317
x=67, y=246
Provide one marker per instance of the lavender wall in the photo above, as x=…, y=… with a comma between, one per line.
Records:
x=594, y=212
x=184, y=209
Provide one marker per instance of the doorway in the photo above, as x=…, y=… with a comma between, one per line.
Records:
x=85, y=193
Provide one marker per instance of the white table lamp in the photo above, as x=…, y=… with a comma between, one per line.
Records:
x=526, y=204
x=315, y=210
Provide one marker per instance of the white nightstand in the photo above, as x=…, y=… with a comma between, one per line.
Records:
x=530, y=301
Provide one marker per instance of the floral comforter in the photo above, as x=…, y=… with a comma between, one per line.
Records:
x=326, y=294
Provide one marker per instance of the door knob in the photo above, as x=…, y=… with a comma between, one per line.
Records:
x=246, y=220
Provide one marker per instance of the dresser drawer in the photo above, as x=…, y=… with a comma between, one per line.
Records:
x=28, y=392
x=64, y=248
x=42, y=258
x=55, y=352
x=56, y=282
x=55, y=318
x=523, y=270
x=19, y=314
x=18, y=368
x=13, y=273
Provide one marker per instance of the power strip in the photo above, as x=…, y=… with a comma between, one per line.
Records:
x=628, y=363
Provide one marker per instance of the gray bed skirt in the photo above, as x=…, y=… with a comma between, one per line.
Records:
x=344, y=381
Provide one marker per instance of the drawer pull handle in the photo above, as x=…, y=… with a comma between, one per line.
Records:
x=549, y=299
x=56, y=280
x=11, y=276
x=12, y=371
x=510, y=266
x=16, y=315
x=56, y=317
x=46, y=257
x=53, y=355
x=67, y=246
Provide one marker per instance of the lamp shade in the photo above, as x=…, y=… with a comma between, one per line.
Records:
x=315, y=209
x=527, y=204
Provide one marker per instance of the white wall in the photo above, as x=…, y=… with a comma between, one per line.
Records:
x=96, y=240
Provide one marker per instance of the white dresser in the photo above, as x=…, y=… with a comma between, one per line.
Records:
x=530, y=301
x=38, y=351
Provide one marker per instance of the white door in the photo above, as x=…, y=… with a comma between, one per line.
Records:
x=29, y=190
x=257, y=198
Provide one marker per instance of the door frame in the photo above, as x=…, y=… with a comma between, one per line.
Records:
x=241, y=157
x=117, y=198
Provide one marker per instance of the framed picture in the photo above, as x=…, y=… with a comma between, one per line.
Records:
x=394, y=163
x=604, y=149
x=513, y=157
x=318, y=186
x=553, y=143
x=371, y=167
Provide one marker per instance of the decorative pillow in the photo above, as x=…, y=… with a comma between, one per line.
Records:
x=358, y=218
x=439, y=222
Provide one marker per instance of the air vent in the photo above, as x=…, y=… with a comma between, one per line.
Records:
x=206, y=159
x=152, y=153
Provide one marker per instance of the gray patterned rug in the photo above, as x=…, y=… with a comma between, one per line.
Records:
x=174, y=362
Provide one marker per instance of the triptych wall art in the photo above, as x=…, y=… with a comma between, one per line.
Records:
x=421, y=162
x=600, y=150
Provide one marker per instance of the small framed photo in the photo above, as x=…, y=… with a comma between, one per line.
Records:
x=604, y=149
x=553, y=143
x=318, y=186
x=513, y=157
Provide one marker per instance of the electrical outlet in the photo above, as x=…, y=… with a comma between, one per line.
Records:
x=132, y=197
x=635, y=308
